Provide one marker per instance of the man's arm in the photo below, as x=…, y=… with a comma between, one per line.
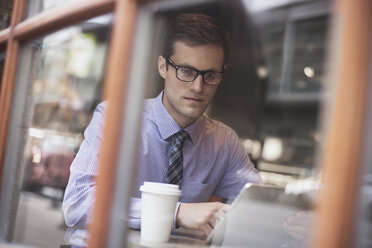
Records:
x=201, y=216
x=80, y=193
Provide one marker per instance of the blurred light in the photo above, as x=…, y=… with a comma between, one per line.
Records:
x=81, y=55
x=308, y=185
x=59, y=39
x=36, y=158
x=309, y=72
x=262, y=72
x=38, y=87
x=276, y=178
x=253, y=147
x=272, y=150
x=59, y=140
x=103, y=20
x=37, y=133
x=259, y=5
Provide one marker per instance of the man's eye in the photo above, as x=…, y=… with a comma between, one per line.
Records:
x=210, y=75
x=186, y=71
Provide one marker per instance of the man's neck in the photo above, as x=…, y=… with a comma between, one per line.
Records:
x=181, y=121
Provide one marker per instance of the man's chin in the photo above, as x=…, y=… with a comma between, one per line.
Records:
x=192, y=112
x=194, y=115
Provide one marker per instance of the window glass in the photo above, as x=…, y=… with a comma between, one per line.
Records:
x=37, y=6
x=307, y=69
x=6, y=7
x=59, y=84
x=272, y=38
x=2, y=64
x=279, y=128
x=364, y=224
x=273, y=98
x=278, y=125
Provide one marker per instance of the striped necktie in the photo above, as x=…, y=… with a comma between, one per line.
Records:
x=175, y=169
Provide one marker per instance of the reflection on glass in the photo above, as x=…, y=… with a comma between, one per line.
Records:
x=294, y=50
x=295, y=53
x=307, y=71
x=364, y=221
x=364, y=230
x=64, y=72
x=2, y=63
x=37, y=6
x=285, y=137
x=6, y=7
x=272, y=38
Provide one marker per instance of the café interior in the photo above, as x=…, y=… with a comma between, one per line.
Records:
x=296, y=93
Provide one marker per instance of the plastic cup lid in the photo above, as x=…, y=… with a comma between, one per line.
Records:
x=160, y=188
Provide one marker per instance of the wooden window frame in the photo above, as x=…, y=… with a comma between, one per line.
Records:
x=21, y=31
x=335, y=226
x=114, y=86
x=342, y=163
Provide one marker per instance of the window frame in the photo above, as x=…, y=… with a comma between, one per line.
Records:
x=335, y=226
x=48, y=21
x=342, y=165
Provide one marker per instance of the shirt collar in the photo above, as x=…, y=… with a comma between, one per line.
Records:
x=168, y=126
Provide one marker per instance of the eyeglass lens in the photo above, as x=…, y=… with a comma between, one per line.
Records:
x=188, y=74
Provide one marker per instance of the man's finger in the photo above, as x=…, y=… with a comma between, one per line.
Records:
x=206, y=229
x=225, y=208
x=296, y=228
x=214, y=220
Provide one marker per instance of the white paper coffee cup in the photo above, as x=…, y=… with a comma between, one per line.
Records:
x=159, y=201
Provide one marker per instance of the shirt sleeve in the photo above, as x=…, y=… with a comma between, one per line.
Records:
x=239, y=170
x=80, y=192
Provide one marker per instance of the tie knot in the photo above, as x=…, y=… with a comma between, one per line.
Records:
x=181, y=136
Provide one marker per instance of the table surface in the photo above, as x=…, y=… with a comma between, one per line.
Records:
x=180, y=238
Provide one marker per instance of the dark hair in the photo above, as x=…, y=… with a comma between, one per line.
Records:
x=196, y=29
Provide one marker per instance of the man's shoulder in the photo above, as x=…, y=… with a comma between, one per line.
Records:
x=222, y=135
x=100, y=111
x=147, y=108
x=147, y=103
x=102, y=106
x=216, y=126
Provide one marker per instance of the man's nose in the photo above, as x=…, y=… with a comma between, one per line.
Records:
x=197, y=84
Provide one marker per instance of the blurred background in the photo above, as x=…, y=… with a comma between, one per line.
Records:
x=273, y=96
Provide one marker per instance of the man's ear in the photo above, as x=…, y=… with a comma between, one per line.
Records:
x=162, y=66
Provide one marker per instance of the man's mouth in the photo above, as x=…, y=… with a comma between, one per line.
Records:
x=194, y=99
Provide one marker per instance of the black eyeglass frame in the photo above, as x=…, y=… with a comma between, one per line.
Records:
x=169, y=61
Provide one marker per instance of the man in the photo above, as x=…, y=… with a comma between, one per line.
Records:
x=210, y=159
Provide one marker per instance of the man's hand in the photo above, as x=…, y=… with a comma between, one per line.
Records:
x=301, y=225
x=201, y=216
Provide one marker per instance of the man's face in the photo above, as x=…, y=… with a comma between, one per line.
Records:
x=186, y=101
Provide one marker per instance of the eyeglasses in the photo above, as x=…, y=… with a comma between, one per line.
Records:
x=189, y=74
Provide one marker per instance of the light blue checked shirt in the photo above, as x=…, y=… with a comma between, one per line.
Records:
x=214, y=161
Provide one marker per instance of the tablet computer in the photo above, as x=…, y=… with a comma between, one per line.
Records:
x=256, y=217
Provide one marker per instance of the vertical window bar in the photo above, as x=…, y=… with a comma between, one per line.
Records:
x=342, y=165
